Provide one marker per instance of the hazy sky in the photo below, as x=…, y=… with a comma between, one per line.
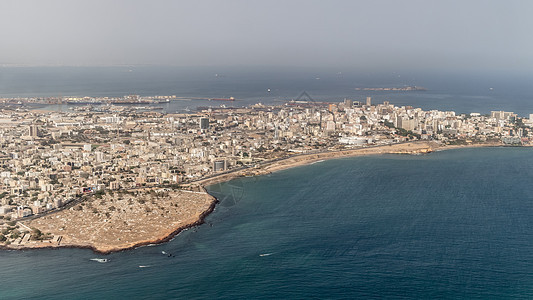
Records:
x=488, y=35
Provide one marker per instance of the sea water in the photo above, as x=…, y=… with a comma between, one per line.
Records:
x=451, y=224
x=460, y=92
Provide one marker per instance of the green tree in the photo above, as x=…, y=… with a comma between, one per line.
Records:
x=36, y=234
x=15, y=234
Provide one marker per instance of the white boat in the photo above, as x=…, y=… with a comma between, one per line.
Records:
x=100, y=260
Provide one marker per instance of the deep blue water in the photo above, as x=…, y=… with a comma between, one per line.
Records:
x=460, y=92
x=452, y=224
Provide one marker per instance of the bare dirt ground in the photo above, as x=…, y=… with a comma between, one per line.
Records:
x=122, y=220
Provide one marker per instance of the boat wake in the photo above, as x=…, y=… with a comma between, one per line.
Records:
x=166, y=253
x=265, y=254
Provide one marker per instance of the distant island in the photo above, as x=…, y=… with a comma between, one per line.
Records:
x=405, y=88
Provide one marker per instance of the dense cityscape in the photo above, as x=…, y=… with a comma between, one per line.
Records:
x=47, y=159
x=266, y=149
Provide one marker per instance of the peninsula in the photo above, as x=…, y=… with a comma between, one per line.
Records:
x=114, y=180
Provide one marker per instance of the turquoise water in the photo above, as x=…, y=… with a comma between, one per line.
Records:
x=451, y=224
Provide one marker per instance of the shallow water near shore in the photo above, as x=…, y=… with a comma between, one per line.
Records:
x=453, y=224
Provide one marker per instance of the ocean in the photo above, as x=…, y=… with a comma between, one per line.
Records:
x=460, y=92
x=450, y=224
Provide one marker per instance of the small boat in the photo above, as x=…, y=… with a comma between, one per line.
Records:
x=100, y=260
x=265, y=254
x=144, y=266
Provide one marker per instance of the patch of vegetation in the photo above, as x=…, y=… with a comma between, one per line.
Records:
x=457, y=142
x=15, y=234
x=36, y=234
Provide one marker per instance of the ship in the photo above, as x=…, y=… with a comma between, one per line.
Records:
x=109, y=102
x=130, y=102
x=222, y=99
x=405, y=88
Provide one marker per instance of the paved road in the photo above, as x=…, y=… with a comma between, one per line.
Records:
x=263, y=163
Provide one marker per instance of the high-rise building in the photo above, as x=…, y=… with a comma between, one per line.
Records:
x=348, y=103
x=33, y=131
x=406, y=123
x=330, y=126
x=219, y=165
x=204, y=123
x=368, y=101
x=114, y=185
x=502, y=115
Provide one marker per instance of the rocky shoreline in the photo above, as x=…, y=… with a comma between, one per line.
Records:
x=163, y=239
x=168, y=237
x=118, y=222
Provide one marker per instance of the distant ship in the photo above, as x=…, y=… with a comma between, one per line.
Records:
x=406, y=88
x=223, y=99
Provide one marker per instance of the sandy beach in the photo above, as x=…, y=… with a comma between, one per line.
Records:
x=412, y=148
x=126, y=220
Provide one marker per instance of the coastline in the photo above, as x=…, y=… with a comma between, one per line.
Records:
x=163, y=230
x=412, y=148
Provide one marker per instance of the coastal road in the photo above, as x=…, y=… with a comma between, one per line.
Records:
x=259, y=164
